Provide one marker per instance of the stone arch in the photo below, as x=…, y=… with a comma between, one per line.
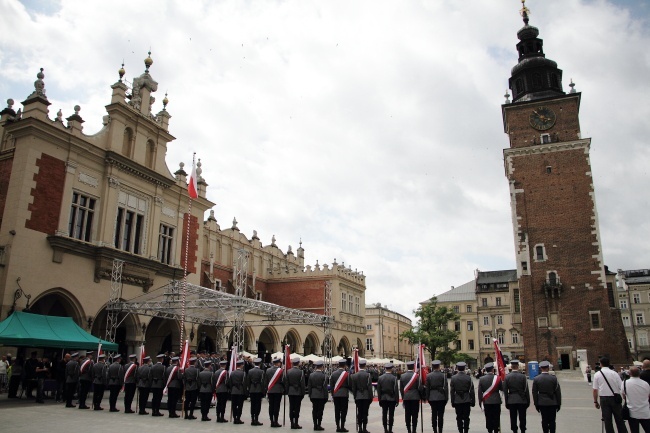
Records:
x=127, y=143
x=162, y=335
x=150, y=154
x=361, y=347
x=292, y=338
x=128, y=335
x=249, y=338
x=268, y=341
x=207, y=338
x=311, y=345
x=59, y=302
x=344, y=347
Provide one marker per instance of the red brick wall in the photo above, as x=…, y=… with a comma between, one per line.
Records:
x=48, y=193
x=5, y=175
x=193, y=244
x=306, y=295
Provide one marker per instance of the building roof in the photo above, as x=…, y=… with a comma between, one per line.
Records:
x=636, y=276
x=465, y=292
x=497, y=276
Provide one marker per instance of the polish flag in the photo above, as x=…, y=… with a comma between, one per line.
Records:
x=355, y=361
x=233, y=359
x=142, y=354
x=287, y=358
x=99, y=350
x=185, y=356
x=192, y=187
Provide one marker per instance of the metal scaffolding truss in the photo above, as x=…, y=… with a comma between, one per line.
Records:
x=112, y=311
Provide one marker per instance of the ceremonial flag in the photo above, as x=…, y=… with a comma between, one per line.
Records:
x=287, y=358
x=192, y=187
x=422, y=367
x=185, y=356
x=416, y=370
x=233, y=359
x=99, y=350
x=355, y=361
x=142, y=354
x=499, y=373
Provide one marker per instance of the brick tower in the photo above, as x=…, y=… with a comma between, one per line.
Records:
x=568, y=313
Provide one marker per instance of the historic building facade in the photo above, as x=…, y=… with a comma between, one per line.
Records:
x=383, y=329
x=71, y=203
x=633, y=297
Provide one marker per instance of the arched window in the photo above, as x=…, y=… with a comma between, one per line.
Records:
x=127, y=142
x=552, y=278
x=149, y=156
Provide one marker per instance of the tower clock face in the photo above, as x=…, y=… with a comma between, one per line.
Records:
x=542, y=118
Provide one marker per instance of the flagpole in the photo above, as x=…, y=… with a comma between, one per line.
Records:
x=284, y=395
x=187, y=251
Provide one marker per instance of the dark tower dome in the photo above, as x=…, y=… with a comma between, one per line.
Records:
x=535, y=76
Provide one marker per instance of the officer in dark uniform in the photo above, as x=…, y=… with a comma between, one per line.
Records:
x=515, y=391
x=295, y=391
x=489, y=398
x=361, y=384
x=547, y=397
x=410, y=386
x=130, y=370
x=275, y=390
x=71, y=378
x=174, y=386
x=237, y=390
x=437, y=393
x=461, y=390
x=114, y=382
x=256, y=388
x=388, y=395
x=85, y=379
x=157, y=385
x=99, y=375
x=317, y=392
x=206, y=388
x=143, y=378
x=220, y=378
x=191, y=383
x=340, y=389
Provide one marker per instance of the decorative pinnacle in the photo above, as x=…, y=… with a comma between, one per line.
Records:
x=524, y=11
x=148, y=61
x=165, y=102
x=121, y=71
x=572, y=85
x=507, y=96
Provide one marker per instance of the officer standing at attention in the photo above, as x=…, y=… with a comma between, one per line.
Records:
x=275, y=390
x=437, y=393
x=174, y=387
x=361, y=383
x=410, y=387
x=461, y=390
x=256, y=388
x=143, y=377
x=71, y=378
x=206, y=388
x=547, y=397
x=157, y=385
x=489, y=398
x=129, y=383
x=99, y=376
x=191, y=382
x=237, y=389
x=115, y=377
x=85, y=379
x=317, y=392
x=388, y=396
x=340, y=389
x=221, y=389
x=517, y=395
x=295, y=391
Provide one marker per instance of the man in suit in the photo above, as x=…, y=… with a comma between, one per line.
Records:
x=410, y=386
x=388, y=396
x=237, y=390
x=220, y=379
x=174, y=386
x=143, y=377
x=361, y=384
x=157, y=385
x=547, y=397
x=295, y=391
x=130, y=370
x=461, y=393
x=517, y=395
x=191, y=383
x=71, y=378
x=206, y=388
x=99, y=375
x=256, y=389
x=489, y=398
x=437, y=393
x=317, y=392
x=340, y=389
x=85, y=379
x=114, y=382
x=275, y=390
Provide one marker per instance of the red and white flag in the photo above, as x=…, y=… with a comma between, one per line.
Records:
x=185, y=356
x=422, y=367
x=99, y=350
x=233, y=359
x=355, y=361
x=142, y=354
x=287, y=358
x=192, y=187
x=499, y=374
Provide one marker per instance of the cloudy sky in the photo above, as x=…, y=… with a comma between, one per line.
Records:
x=370, y=129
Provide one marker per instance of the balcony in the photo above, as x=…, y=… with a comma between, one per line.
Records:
x=552, y=289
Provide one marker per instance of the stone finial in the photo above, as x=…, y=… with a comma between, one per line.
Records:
x=121, y=72
x=39, y=87
x=273, y=241
x=289, y=250
x=148, y=62
x=59, y=116
x=165, y=101
x=10, y=103
x=255, y=235
x=334, y=264
x=507, y=96
x=9, y=109
x=199, y=170
x=573, y=86
x=234, y=224
x=317, y=266
x=181, y=169
x=211, y=217
x=76, y=116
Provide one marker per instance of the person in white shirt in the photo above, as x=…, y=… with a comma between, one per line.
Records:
x=3, y=373
x=636, y=393
x=607, y=384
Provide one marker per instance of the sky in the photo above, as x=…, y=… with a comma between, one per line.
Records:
x=370, y=130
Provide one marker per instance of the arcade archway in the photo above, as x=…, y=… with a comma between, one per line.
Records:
x=162, y=335
x=59, y=302
x=311, y=344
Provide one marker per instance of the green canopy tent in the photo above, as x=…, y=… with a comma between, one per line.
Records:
x=34, y=330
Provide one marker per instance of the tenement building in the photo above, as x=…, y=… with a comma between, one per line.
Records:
x=71, y=203
x=383, y=329
x=634, y=301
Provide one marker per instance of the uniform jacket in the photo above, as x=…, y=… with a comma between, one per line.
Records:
x=461, y=389
x=361, y=384
x=546, y=391
x=87, y=374
x=158, y=376
x=436, y=386
x=256, y=381
x=236, y=381
x=100, y=374
x=278, y=388
x=222, y=388
x=205, y=382
x=134, y=373
x=115, y=374
x=72, y=372
x=143, y=376
x=344, y=390
x=414, y=393
x=387, y=389
x=317, y=385
x=191, y=378
x=176, y=380
x=484, y=383
x=515, y=389
x=295, y=382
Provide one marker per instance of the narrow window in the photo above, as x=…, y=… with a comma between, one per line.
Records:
x=470, y=325
x=515, y=294
x=539, y=252
x=470, y=344
x=549, y=170
x=552, y=278
x=595, y=319
x=498, y=301
x=165, y=243
x=81, y=217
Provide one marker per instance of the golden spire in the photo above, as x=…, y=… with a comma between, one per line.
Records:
x=525, y=12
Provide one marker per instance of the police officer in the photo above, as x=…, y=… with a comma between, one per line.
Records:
x=71, y=378
x=547, y=397
x=206, y=388
x=174, y=385
x=114, y=382
x=275, y=390
x=295, y=391
x=317, y=392
x=517, y=395
x=237, y=390
x=256, y=389
x=461, y=390
x=129, y=383
x=388, y=395
x=191, y=383
x=85, y=379
x=489, y=398
x=361, y=384
x=221, y=389
x=99, y=375
x=157, y=384
x=340, y=389
x=143, y=377
x=437, y=393
x=411, y=393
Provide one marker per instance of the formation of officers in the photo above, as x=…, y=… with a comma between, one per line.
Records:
x=206, y=382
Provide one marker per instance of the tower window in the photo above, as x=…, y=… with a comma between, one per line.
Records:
x=537, y=80
x=595, y=319
x=552, y=278
x=545, y=138
x=520, y=85
x=549, y=170
x=540, y=254
x=554, y=81
x=524, y=266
